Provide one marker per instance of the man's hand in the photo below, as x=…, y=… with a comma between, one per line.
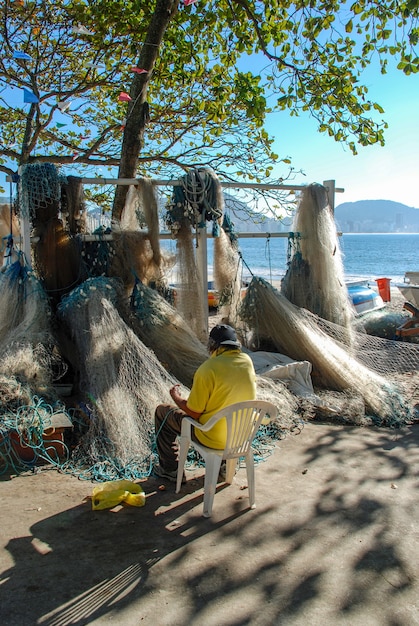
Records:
x=174, y=392
x=181, y=402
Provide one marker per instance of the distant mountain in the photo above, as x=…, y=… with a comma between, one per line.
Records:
x=376, y=216
x=364, y=216
x=245, y=220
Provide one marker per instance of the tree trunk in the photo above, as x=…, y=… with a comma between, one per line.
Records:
x=137, y=111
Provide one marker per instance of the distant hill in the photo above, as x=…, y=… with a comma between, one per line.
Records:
x=364, y=216
x=247, y=221
x=376, y=216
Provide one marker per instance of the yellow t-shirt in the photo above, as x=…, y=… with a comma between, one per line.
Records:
x=228, y=376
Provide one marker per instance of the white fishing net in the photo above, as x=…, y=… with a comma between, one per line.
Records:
x=227, y=276
x=315, y=277
x=161, y=327
x=277, y=324
x=122, y=380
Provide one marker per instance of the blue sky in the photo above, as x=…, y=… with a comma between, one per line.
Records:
x=388, y=173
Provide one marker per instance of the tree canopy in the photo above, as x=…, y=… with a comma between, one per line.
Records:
x=157, y=87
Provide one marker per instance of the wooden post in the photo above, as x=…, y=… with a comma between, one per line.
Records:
x=331, y=189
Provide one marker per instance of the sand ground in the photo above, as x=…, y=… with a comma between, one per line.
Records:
x=334, y=540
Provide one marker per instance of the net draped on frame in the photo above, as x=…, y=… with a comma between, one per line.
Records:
x=198, y=198
x=315, y=277
x=132, y=254
x=227, y=276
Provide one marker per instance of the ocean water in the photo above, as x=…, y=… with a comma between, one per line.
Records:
x=365, y=256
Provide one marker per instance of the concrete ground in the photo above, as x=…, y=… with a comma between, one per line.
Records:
x=334, y=540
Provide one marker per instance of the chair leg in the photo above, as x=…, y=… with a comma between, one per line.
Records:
x=231, y=465
x=212, y=468
x=184, y=443
x=250, y=470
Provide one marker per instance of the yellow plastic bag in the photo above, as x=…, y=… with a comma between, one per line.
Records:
x=111, y=493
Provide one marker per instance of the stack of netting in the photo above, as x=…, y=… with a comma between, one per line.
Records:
x=160, y=326
x=123, y=381
x=362, y=369
x=127, y=358
x=28, y=367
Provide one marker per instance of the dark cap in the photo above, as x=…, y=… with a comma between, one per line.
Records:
x=224, y=335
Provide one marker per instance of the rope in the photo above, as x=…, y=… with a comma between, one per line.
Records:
x=194, y=201
x=22, y=443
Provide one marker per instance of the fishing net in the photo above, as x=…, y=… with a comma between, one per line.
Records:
x=29, y=365
x=141, y=208
x=123, y=383
x=227, y=275
x=39, y=191
x=189, y=288
x=56, y=254
x=27, y=427
x=131, y=254
x=160, y=326
x=24, y=310
x=9, y=232
x=27, y=344
x=277, y=324
x=56, y=258
x=198, y=198
x=315, y=276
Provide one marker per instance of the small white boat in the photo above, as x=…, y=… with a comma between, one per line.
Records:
x=364, y=298
x=410, y=288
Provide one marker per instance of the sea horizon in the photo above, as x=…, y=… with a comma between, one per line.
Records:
x=365, y=256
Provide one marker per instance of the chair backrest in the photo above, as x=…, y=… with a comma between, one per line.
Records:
x=243, y=420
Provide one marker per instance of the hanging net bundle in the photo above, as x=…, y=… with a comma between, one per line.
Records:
x=189, y=288
x=9, y=231
x=39, y=191
x=299, y=334
x=123, y=383
x=141, y=207
x=315, y=276
x=56, y=253
x=227, y=273
x=24, y=309
x=197, y=199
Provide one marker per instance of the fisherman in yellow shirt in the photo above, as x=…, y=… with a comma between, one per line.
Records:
x=226, y=377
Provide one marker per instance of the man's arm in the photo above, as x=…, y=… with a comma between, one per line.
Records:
x=182, y=403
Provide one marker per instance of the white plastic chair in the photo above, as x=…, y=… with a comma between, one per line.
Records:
x=243, y=420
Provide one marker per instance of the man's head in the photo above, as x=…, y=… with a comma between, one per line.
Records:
x=222, y=335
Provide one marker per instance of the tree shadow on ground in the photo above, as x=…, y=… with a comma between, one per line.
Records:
x=330, y=540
